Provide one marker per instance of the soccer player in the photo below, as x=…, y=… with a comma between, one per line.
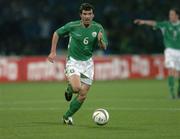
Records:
x=84, y=36
x=171, y=38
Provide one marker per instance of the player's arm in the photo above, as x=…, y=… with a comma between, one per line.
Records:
x=145, y=22
x=52, y=54
x=102, y=39
x=58, y=33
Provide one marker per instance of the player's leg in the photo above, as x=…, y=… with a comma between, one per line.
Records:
x=83, y=92
x=80, y=84
x=73, y=75
x=73, y=86
x=170, y=61
x=74, y=81
x=178, y=72
x=171, y=81
x=178, y=91
x=77, y=101
x=175, y=69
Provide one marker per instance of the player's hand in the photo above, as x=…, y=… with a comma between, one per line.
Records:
x=51, y=57
x=139, y=22
x=99, y=36
x=100, y=42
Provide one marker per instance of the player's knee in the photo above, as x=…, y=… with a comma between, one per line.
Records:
x=76, y=88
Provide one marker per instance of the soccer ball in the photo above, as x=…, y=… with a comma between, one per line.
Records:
x=100, y=116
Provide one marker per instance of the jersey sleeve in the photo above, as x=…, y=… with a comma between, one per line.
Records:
x=160, y=25
x=64, y=30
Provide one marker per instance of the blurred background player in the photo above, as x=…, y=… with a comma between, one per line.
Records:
x=171, y=38
x=84, y=35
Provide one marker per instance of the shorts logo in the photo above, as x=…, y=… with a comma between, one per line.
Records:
x=94, y=34
x=71, y=71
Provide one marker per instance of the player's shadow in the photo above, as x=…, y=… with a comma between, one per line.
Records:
x=113, y=128
x=104, y=127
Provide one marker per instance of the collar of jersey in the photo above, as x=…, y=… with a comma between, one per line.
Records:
x=176, y=23
x=84, y=25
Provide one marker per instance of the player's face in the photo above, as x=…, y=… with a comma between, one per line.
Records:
x=87, y=17
x=173, y=17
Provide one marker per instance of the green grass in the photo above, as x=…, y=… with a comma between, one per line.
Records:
x=139, y=109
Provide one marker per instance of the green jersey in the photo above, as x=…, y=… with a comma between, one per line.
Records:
x=171, y=33
x=82, y=40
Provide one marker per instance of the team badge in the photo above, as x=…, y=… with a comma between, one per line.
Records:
x=94, y=34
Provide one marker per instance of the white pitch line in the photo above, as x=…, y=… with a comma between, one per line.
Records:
x=90, y=108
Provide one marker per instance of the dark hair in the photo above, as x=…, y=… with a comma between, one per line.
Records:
x=86, y=7
x=176, y=10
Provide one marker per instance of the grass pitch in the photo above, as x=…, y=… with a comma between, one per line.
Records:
x=139, y=109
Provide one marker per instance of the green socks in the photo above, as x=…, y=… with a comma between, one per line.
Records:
x=178, y=88
x=171, y=85
x=178, y=85
x=74, y=107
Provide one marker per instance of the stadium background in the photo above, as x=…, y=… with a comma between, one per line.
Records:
x=27, y=27
x=139, y=108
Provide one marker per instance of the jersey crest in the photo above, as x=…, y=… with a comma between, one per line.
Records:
x=94, y=34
